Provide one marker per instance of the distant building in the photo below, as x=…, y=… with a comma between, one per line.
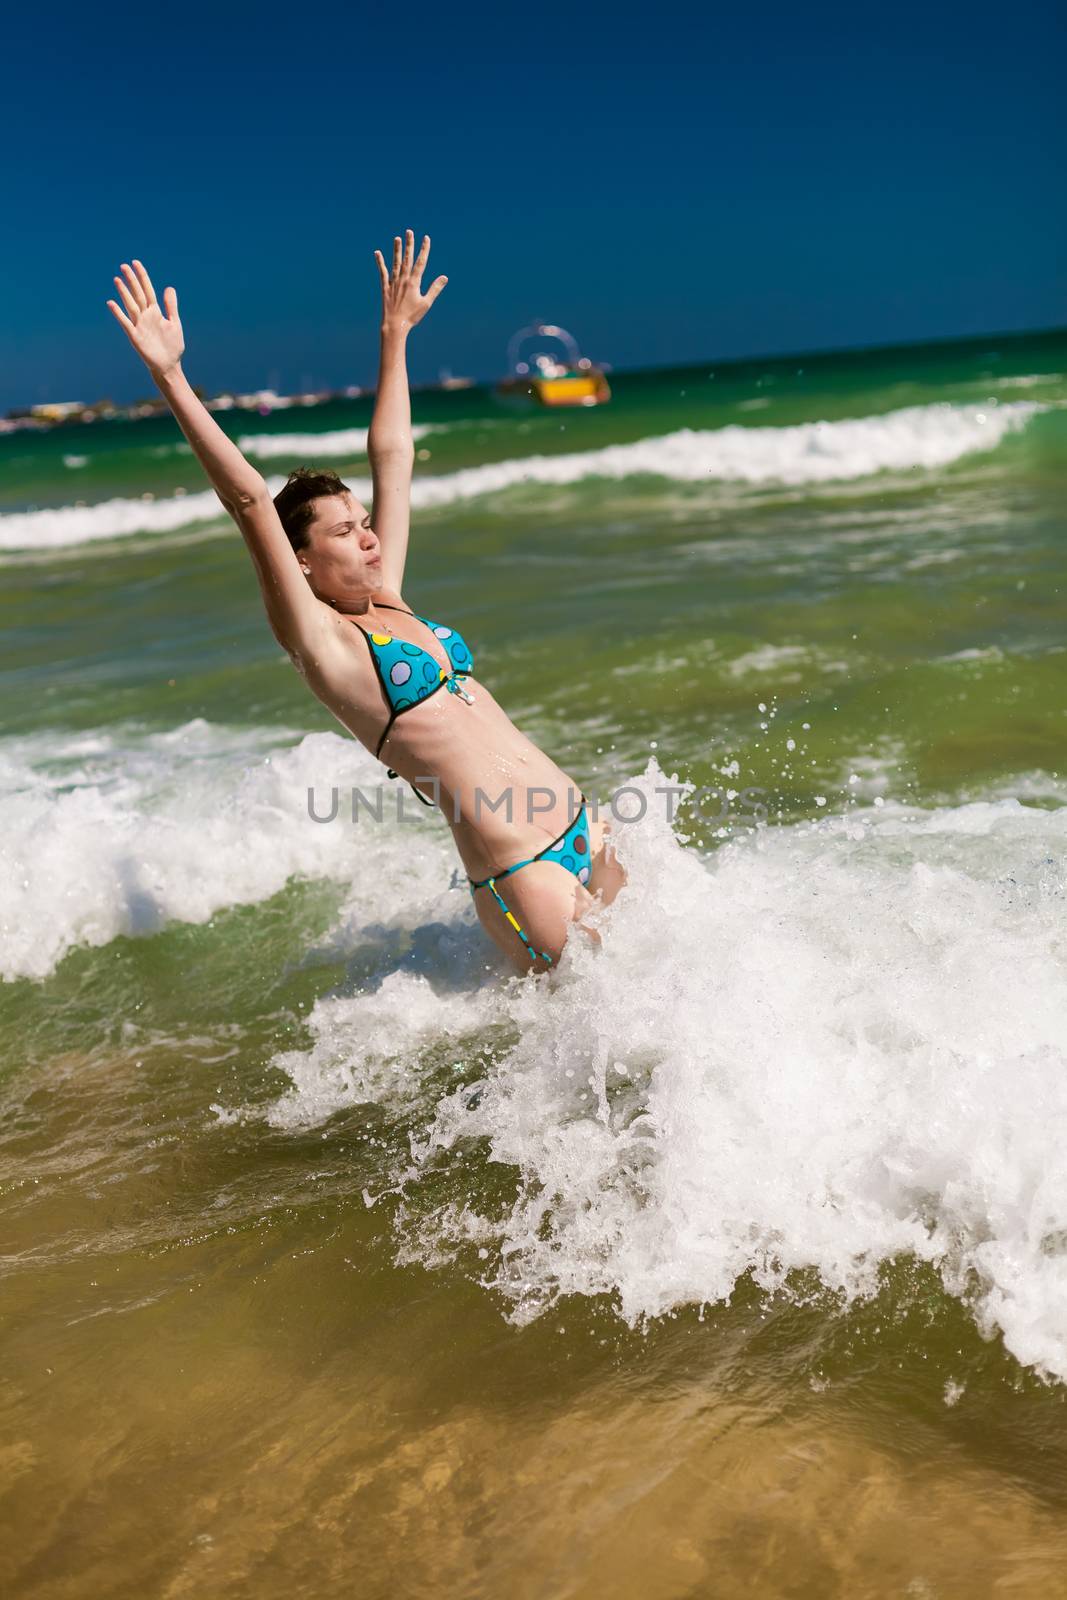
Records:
x=55, y=410
x=263, y=400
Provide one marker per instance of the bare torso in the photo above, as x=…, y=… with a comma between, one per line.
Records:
x=473, y=750
x=476, y=753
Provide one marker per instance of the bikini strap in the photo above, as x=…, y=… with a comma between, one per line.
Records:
x=543, y=954
x=417, y=792
x=507, y=871
x=393, y=714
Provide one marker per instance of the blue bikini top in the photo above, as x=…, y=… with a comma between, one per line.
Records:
x=408, y=674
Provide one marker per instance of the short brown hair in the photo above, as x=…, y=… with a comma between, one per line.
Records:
x=295, y=501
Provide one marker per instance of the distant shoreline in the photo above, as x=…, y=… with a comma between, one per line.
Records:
x=52, y=414
x=55, y=414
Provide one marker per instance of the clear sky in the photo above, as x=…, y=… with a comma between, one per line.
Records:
x=680, y=182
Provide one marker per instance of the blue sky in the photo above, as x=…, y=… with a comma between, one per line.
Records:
x=681, y=182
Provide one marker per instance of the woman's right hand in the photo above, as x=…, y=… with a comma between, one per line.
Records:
x=403, y=302
x=158, y=339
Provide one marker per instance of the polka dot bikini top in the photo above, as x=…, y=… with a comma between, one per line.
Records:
x=408, y=674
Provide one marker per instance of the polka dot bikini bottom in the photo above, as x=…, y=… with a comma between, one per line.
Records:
x=571, y=849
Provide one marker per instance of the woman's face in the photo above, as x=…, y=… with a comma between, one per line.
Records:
x=341, y=555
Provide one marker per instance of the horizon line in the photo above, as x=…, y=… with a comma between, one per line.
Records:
x=808, y=354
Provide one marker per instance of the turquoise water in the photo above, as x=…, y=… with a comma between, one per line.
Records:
x=757, y=1208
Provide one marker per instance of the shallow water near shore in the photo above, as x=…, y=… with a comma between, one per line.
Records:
x=731, y=1259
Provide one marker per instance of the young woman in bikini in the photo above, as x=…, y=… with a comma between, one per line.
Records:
x=331, y=575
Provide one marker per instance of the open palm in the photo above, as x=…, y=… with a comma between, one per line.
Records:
x=157, y=338
x=402, y=296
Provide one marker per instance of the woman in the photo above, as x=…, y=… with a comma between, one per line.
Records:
x=331, y=575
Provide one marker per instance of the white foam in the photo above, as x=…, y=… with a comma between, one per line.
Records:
x=342, y=442
x=809, y=452
x=60, y=526
x=989, y=652
x=1031, y=381
x=824, y=1046
x=123, y=832
x=917, y=437
x=783, y=662
x=827, y=1046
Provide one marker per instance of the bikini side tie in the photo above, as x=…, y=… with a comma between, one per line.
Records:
x=490, y=884
x=453, y=685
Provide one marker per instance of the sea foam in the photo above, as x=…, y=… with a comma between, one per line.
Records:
x=821, y=1048
x=342, y=442
x=912, y=439
x=826, y=1047
x=142, y=830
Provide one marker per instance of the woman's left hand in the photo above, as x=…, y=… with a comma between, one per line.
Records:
x=403, y=302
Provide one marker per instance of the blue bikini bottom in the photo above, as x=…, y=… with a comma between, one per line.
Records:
x=571, y=849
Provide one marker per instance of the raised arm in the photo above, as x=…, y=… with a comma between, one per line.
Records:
x=296, y=617
x=389, y=443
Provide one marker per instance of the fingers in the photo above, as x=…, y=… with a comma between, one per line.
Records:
x=405, y=262
x=170, y=302
x=145, y=282
x=120, y=316
x=435, y=289
x=128, y=301
x=134, y=283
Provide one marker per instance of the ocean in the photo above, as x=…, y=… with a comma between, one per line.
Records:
x=728, y=1259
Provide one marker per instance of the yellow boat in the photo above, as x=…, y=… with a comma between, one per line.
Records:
x=548, y=381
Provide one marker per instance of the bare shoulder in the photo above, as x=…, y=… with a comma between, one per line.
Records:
x=324, y=647
x=332, y=656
